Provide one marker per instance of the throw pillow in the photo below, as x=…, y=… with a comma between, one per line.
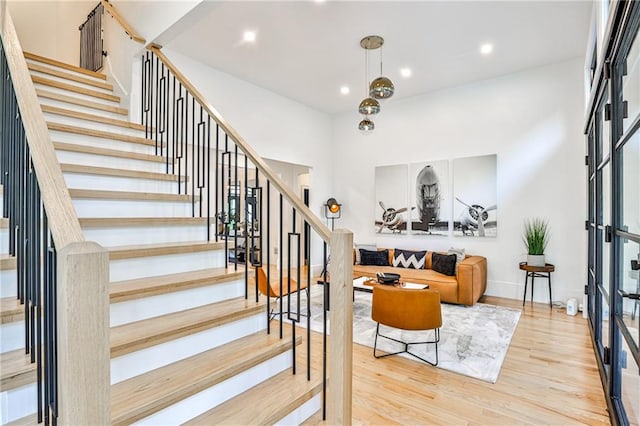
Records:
x=378, y=258
x=409, y=259
x=370, y=247
x=444, y=263
x=459, y=252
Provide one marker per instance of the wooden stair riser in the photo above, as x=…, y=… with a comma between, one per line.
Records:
x=153, y=306
x=82, y=122
x=128, y=208
x=61, y=100
x=92, y=94
x=8, y=282
x=103, y=143
x=94, y=160
x=41, y=60
x=70, y=79
x=94, y=132
x=114, y=236
x=131, y=269
x=145, y=395
x=12, y=336
x=113, y=183
x=185, y=410
x=147, y=359
x=19, y=403
x=101, y=152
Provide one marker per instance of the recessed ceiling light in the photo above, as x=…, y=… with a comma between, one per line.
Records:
x=405, y=72
x=486, y=48
x=249, y=36
x=345, y=90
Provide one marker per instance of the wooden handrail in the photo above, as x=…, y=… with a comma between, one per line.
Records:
x=124, y=24
x=62, y=219
x=295, y=201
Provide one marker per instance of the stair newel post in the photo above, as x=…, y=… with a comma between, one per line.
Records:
x=84, y=388
x=341, y=328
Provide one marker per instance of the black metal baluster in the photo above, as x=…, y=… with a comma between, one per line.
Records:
x=307, y=243
x=281, y=266
x=325, y=308
x=209, y=179
x=236, y=212
x=193, y=156
x=268, y=245
x=247, y=243
x=218, y=191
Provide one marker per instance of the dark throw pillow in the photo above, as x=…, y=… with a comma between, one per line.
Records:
x=409, y=259
x=377, y=258
x=443, y=263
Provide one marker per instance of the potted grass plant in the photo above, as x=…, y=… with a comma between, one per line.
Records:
x=536, y=237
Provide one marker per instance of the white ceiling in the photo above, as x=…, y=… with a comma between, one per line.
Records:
x=307, y=50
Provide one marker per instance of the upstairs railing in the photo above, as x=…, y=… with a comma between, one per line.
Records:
x=91, y=43
x=252, y=210
x=61, y=279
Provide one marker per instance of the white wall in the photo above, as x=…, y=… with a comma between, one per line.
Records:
x=276, y=127
x=532, y=120
x=50, y=28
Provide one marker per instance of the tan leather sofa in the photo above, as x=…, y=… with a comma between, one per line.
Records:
x=465, y=288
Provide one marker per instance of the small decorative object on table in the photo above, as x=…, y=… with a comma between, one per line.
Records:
x=387, y=278
x=536, y=237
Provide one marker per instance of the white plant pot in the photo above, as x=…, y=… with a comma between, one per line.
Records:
x=535, y=260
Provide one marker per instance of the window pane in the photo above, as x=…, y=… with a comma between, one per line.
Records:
x=604, y=137
x=630, y=282
x=631, y=184
x=631, y=83
x=630, y=375
x=604, y=314
x=606, y=194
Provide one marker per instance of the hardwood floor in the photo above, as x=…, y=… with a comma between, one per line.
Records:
x=549, y=376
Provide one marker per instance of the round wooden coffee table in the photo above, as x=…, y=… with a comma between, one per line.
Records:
x=534, y=272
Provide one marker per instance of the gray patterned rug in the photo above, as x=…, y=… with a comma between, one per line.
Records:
x=473, y=340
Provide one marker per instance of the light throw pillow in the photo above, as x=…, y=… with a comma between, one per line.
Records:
x=409, y=259
x=444, y=263
x=370, y=247
x=377, y=258
x=459, y=252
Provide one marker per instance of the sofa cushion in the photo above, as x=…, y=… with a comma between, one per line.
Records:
x=420, y=276
x=378, y=258
x=371, y=247
x=409, y=259
x=445, y=264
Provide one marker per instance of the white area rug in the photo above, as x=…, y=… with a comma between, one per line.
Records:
x=473, y=340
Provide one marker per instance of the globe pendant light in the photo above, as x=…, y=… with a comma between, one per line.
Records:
x=382, y=87
x=369, y=106
x=366, y=126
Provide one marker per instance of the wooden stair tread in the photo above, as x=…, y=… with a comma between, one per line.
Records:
x=82, y=102
x=75, y=89
x=108, y=171
x=30, y=420
x=104, y=222
x=11, y=310
x=7, y=262
x=120, y=291
x=99, y=133
x=143, y=395
x=4, y=223
x=126, y=195
x=91, y=117
x=142, y=334
x=69, y=76
x=59, y=64
x=87, y=149
x=145, y=250
x=16, y=370
x=265, y=403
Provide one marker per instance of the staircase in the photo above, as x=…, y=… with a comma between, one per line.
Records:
x=186, y=345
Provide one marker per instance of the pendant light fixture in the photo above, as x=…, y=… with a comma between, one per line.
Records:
x=380, y=88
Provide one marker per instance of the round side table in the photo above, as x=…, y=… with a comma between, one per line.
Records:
x=534, y=272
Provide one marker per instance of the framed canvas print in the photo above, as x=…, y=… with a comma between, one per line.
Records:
x=475, y=196
x=430, y=198
x=391, y=199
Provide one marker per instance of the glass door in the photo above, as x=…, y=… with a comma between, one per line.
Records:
x=625, y=289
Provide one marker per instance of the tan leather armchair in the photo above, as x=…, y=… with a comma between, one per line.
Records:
x=406, y=309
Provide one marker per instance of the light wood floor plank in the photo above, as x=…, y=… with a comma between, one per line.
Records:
x=549, y=376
